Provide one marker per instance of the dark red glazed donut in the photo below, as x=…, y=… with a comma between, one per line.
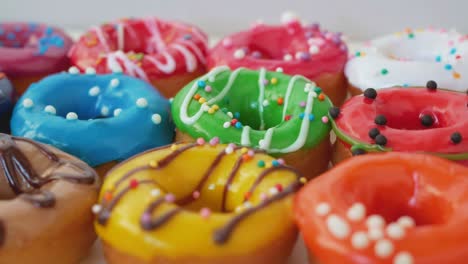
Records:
x=405, y=120
x=167, y=54
x=293, y=48
x=30, y=51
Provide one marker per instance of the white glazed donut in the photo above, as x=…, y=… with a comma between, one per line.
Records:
x=411, y=58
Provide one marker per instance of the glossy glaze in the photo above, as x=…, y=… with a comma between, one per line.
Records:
x=146, y=212
x=6, y=102
x=98, y=118
x=422, y=200
x=282, y=116
x=295, y=48
x=404, y=131
x=30, y=49
x=147, y=48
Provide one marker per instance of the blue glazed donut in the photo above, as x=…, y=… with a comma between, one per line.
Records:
x=97, y=118
x=6, y=103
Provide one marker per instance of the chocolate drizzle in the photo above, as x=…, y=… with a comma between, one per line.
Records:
x=25, y=181
x=2, y=233
x=221, y=235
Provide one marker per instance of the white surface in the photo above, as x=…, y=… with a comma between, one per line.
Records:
x=360, y=19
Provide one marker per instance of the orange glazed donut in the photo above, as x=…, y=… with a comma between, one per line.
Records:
x=198, y=204
x=392, y=208
x=166, y=54
x=46, y=198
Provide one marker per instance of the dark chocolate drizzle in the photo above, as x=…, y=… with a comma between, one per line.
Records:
x=2, y=233
x=222, y=234
x=26, y=182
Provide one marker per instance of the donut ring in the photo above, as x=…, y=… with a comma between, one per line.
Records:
x=283, y=115
x=46, y=197
x=231, y=192
x=395, y=208
x=166, y=54
x=292, y=48
x=30, y=51
x=407, y=58
x=7, y=99
x=404, y=120
x=94, y=117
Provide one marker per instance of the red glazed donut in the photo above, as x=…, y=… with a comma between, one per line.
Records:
x=30, y=51
x=167, y=54
x=403, y=119
x=293, y=48
x=393, y=208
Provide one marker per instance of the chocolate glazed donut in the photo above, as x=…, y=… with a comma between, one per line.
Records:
x=45, y=203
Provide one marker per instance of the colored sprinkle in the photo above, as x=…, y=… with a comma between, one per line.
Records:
x=246, y=157
x=301, y=115
x=170, y=198
x=303, y=180
x=317, y=89
x=261, y=163
x=325, y=119
x=174, y=147
x=274, y=81
x=244, y=150
x=201, y=84
x=133, y=183
x=196, y=194
x=202, y=100
x=247, y=195
x=456, y=75
x=265, y=82
x=108, y=196
x=238, y=125
x=311, y=117
x=438, y=58
x=201, y=141
x=208, y=89
x=236, y=114
x=448, y=67
x=153, y=164
x=302, y=104
x=453, y=51
x=287, y=117
x=275, y=163
x=280, y=101
x=357, y=54
x=411, y=35
x=281, y=161
x=214, y=141
x=384, y=71
x=321, y=97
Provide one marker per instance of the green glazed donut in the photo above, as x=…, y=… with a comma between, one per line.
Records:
x=271, y=111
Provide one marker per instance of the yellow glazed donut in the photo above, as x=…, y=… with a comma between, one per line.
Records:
x=198, y=203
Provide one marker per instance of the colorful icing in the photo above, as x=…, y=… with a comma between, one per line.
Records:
x=94, y=117
x=292, y=47
x=146, y=212
x=405, y=110
x=6, y=102
x=32, y=49
x=248, y=108
x=408, y=58
x=145, y=48
x=392, y=208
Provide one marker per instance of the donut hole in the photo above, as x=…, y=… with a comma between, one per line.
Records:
x=419, y=46
x=394, y=191
x=406, y=113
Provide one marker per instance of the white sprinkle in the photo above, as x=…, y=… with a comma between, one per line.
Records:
x=314, y=49
x=238, y=209
x=288, y=17
x=239, y=54
x=141, y=102
x=94, y=91
x=230, y=114
x=395, y=231
x=50, y=109
x=72, y=116
x=359, y=240
x=90, y=71
x=279, y=69
x=73, y=70
x=229, y=150
x=114, y=83
x=338, y=226
x=105, y=111
x=211, y=187
x=375, y=221
x=288, y=57
x=406, y=221
x=155, y=192
x=307, y=87
x=205, y=107
x=356, y=212
x=265, y=102
x=322, y=209
x=375, y=233
x=117, y=111
x=226, y=124
x=273, y=191
x=28, y=103
x=96, y=208
x=403, y=258
x=156, y=118
x=383, y=248
x=247, y=204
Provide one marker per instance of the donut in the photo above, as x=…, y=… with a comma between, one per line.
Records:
x=7, y=95
x=46, y=200
x=31, y=51
x=292, y=48
x=281, y=114
x=431, y=120
x=392, y=208
x=407, y=58
x=101, y=119
x=146, y=215
x=166, y=54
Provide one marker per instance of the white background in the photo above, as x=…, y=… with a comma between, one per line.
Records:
x=359, y=19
